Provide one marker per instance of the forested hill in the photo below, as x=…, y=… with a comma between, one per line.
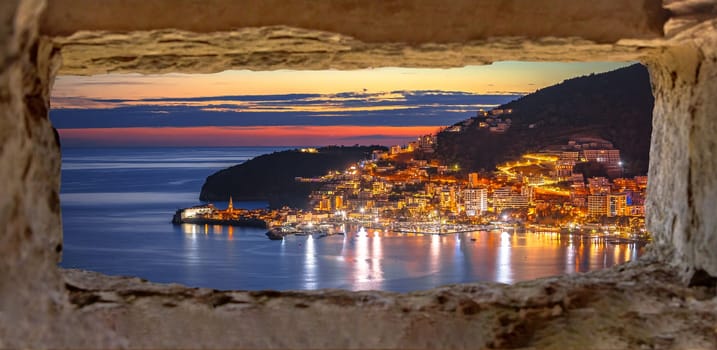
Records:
x=616, y=106
x=270, y=177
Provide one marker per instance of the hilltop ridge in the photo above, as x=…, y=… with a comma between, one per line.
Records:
x=616, y=106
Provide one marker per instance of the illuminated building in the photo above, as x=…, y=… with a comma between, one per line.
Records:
x=447, y=198
x=569, y=156
x=324, y=205
x=199, y=210
x=564, y=169
x=616, y=205
x=473, y=180
x=378, y=188
x=454, y=128
x=498, y=111
x=609, y=157
x=426, y=143
x=230, y=207
x=378, y=155
x=597, y=205
x=622, y=184
x=599, y=185
x=641, y=182
x=528, y=192
x=578, y=194
x=504, y=198
x=475, y=201
x=635, y=210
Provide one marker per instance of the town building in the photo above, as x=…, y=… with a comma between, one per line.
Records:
x=426, y=143
x=599, y=185
x=597, y=205
x=473, y=180
x=506, y=198
x=616, y=205
x=610, y=158
x=475, y=201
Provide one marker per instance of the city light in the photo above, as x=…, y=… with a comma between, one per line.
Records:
x=399, y=193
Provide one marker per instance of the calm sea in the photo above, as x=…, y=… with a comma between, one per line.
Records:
x=117, y=204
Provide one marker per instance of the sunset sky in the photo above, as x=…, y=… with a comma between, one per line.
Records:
x=289, y=108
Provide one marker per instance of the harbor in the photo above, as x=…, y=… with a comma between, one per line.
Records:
x=291, y=222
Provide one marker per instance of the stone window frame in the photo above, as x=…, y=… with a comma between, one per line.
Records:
x=42, y=305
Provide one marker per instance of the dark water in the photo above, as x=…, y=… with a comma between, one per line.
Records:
x=117, y=205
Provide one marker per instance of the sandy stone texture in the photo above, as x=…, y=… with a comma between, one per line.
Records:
x=211, y=36
x=682, y=189
x=639, y=305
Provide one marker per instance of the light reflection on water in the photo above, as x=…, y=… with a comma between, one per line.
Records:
x=363, y=260
x=434, y=256
x=503, y=268
x=570, y=257
x=377, y=261
x=310, y=267
x=361, y=273
x=359, y=260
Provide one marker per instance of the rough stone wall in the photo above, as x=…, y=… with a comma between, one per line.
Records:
x=682, y=189
x=641, y=305
x=31, y=238
x=34, y=308
x=389, y=21
x=281, y=47
x=129, y=36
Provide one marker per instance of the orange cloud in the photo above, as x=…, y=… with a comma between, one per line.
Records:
x=500, y=77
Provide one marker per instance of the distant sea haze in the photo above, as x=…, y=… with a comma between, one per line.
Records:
x=293, y=119
x=117, y=204
x=265, y=136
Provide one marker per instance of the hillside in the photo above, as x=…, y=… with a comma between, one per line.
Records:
x=270, y=177
x=616, y=106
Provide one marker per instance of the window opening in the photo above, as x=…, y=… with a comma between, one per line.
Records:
x=389, y=179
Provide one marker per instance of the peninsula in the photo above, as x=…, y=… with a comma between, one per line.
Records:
x=273, y=177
